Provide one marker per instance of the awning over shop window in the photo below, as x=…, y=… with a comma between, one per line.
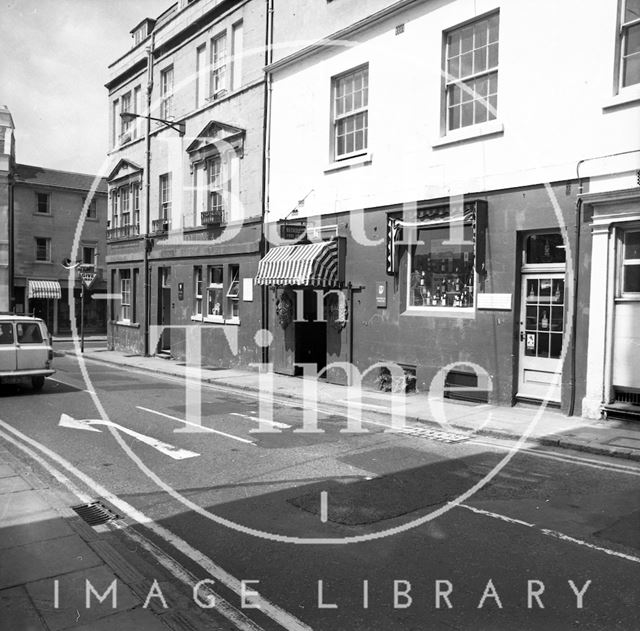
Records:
x=44, y=289
x=314, y=264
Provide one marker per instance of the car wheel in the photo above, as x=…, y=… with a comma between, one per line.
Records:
x=37, y=383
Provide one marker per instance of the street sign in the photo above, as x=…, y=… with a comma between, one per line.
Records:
x=88, y=278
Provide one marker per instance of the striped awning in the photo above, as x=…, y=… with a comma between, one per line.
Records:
x=313, y=264
x=44, y=289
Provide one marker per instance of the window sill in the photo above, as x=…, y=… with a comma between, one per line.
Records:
x=127, y=323
x=626, y=96
x=354, y=161
x=472, y=132
x=37, y=214
x=196, y=318
x=214, y=319
x=233, y=321
x=43, y=262
x=441, y=312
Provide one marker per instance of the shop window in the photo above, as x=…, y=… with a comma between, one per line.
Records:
x=125, y=295
x=441, y=271
x=545, y=249
x=215, y=294
x=233, y=293
x=197, y=290
x=630, y=267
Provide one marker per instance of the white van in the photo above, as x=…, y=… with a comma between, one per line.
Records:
x=26, y=353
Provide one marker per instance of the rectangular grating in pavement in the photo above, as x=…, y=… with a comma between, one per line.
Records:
x=434, y=434
x=95, y=513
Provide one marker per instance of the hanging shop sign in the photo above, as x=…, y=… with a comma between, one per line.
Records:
x=293, y=230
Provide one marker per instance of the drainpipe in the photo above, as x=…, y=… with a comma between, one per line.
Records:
x=576, y=271
x=266, y=162
x=147, y=178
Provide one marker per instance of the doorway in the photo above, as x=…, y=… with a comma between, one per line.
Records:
x=542, y=317
x=164, y=308
x=542, y=322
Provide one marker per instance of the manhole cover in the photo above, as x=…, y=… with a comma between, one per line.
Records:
x=95, y=513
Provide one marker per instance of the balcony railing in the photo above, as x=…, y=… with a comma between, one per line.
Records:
x=212, y=217
x=160, y=226
x=123, y=232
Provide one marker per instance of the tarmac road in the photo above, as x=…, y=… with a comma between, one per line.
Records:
x=335, y=526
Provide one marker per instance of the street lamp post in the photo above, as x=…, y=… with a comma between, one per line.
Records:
x=180, y=128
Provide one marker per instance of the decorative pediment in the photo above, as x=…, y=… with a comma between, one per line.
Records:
x=124, y=171
x=216, y=137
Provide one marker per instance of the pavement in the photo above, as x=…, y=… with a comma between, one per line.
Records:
x=456, y=420
x=46, y=547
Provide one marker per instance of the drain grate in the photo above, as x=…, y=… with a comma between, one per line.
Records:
x=434, y=434
x=95, y=513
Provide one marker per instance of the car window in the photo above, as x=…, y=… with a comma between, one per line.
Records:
x=29, y=333
x=6, y=333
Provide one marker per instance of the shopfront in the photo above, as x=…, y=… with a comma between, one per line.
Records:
x=613, y=378
x=308, y=308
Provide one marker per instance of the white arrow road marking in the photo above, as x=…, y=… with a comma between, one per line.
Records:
x=257, y=419
x=202, y=427
x=165, y=448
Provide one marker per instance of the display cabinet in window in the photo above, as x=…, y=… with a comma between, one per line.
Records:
x=444, y=253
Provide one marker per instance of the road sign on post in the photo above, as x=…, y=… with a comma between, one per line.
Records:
x=88, y=278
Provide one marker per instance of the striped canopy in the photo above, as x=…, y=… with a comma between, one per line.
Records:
x=44, y=289
x=314, y=264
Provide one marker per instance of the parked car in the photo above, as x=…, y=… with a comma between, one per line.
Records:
x=26, y=353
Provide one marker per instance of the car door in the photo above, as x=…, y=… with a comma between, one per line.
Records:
x=7, y=347
x=32, y=346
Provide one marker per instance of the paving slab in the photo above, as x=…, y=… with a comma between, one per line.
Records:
x=6, y=471
x=72, y=602
x=13, y=484
x=25, y=517
x=17, y=612
x=136, y=620
x=43, y=559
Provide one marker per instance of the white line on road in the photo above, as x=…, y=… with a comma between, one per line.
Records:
x=324, y=508
x=203, y=427
x=279, y=615
x=164, y=448
x=257, y=419
x=551, y=533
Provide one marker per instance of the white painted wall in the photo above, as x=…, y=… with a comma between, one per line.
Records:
x=555, y=101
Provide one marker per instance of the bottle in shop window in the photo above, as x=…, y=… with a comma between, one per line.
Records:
x=556, y=296
x=436, y=295
x=443, y=295
x=544, y=322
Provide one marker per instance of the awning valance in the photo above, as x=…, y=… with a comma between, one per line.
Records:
x=44, y=289
x=313, y=264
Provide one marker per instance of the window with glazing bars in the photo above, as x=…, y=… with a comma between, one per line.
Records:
x=166, y=93
x=165, y=196
x=350, y=112
x=630, y=43
x=218, y=64
x=215, y=186
x=471, y=73
x=124, y=205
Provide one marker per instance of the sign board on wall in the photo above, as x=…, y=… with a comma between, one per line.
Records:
x=247, y=289
x=494, y=301
x=381, y=294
